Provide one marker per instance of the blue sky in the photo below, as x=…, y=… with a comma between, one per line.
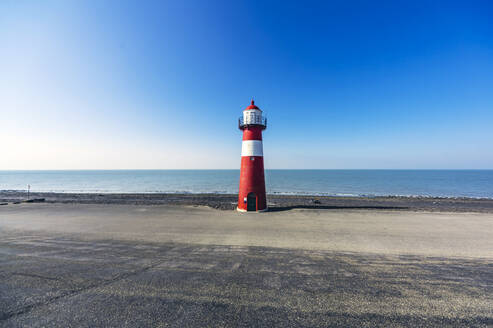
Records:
x=157, y=84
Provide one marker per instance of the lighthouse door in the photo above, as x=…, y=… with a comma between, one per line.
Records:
x=251, y=202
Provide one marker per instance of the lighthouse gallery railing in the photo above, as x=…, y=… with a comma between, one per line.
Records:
x=258, y=122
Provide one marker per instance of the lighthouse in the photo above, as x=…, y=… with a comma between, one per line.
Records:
x=251, y=196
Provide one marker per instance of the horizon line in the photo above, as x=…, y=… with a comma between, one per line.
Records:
x=287, y=169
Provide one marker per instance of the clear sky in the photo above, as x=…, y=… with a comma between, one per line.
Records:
x=161, y=84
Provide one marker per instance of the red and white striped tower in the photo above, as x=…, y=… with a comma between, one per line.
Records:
x=252, y=182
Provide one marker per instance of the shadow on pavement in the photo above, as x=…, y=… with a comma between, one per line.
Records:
x=324, y=207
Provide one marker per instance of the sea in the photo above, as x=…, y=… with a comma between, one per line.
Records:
x=429, y=183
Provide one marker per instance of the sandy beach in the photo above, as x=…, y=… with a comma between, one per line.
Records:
x=191, y=265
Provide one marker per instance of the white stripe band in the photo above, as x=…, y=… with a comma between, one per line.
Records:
x=251, y=148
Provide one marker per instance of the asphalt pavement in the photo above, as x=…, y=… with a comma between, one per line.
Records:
x=51, y=280
x=55, y=273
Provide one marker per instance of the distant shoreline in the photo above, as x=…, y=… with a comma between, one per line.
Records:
x=276, y=202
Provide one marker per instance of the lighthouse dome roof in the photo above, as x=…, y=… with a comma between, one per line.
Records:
x=252, y=106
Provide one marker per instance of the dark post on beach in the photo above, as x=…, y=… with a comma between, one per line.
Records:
x=28, y=188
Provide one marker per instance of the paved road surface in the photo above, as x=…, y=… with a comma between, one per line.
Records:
x=131, y=266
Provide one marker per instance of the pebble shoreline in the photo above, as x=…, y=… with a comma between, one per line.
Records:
x=275, y=202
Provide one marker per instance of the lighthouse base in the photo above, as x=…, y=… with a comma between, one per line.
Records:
x=245, y=211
